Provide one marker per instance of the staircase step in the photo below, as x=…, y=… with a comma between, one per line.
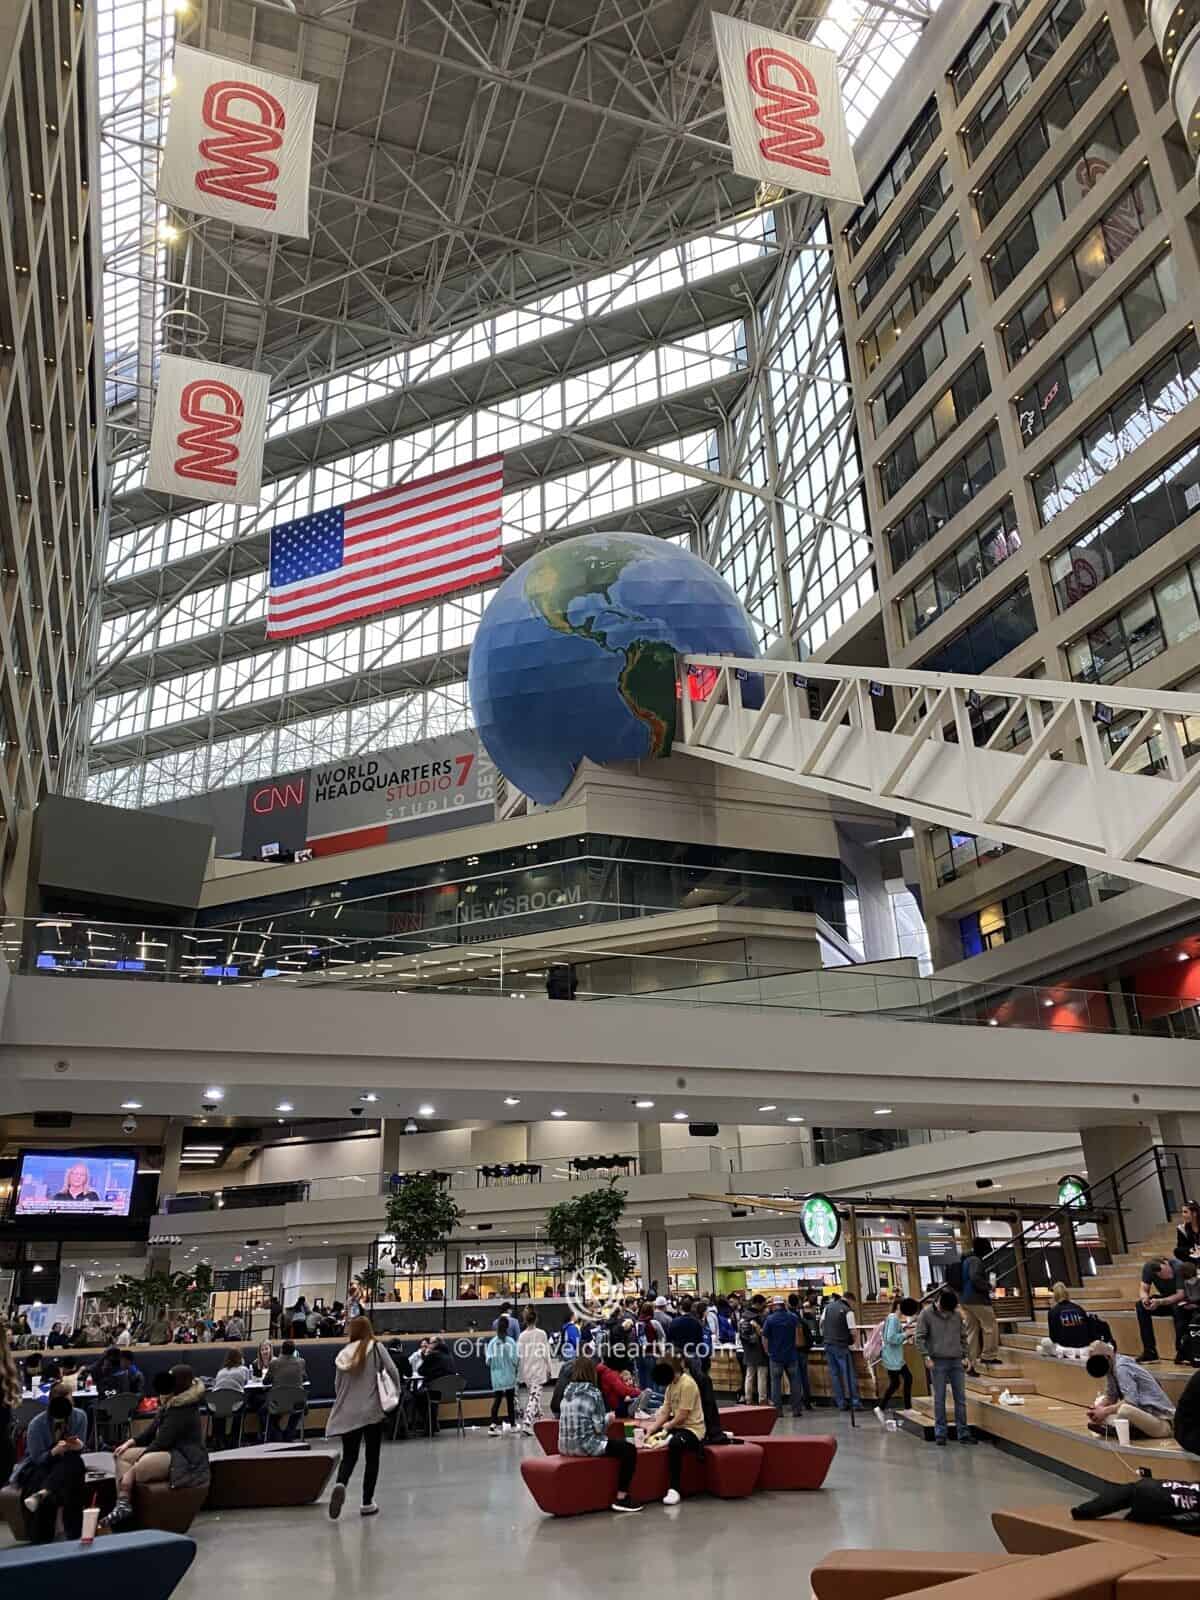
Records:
x=1069, y=1381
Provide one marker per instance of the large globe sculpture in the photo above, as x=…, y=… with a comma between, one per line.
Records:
x=575, y=655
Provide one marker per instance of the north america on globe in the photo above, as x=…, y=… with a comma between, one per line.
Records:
x=576, y=654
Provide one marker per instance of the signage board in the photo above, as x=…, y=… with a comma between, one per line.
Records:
x=793, y=1249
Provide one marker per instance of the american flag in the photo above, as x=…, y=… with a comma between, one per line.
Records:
x=394, y=548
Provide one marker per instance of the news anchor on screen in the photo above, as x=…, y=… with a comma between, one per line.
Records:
x=77, y=1184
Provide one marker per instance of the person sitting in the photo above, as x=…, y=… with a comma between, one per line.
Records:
x=131, y=1375
x=70, y=1376
x=1072, y=1326
x=619, y=1394
x=435, y=1364
x=172, y=1452
x=1187, y=1417
x=1159, y=1295
x=51, y=1477
x=287, y=1371
x=233, y=1376
x=57, y=1339
x=107, y=1376
x=682, y=1415
x=1131, y=1395
x=1187, y=1235
x=583, y=1429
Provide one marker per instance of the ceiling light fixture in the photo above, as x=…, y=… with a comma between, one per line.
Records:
x=512, y=1100
x=768, y=1108
x=644, y=1105
x=214, y=1094
x=368, y=1099
x=558, y=1112
x=285, y=1105
x=425, y=1111
x=681, y=1116
x=131, y=1105
x=795, y=1119
x=883, y=1111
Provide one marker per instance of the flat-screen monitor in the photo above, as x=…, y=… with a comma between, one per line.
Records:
x=74, y=1183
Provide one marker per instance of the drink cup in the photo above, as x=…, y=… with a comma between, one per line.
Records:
x=1121, y=1424
x=91, y=1517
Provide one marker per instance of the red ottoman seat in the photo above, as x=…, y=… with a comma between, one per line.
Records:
x=731, y=1470
x=546, y=1433
x=748, y=1422
x=565, y=1486
x=795, y=1461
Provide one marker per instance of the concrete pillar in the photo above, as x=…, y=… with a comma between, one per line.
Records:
x=172, y=1152
x=341, y=1278
x=654, y=1253
x=1181, y=1136
x=706, y=1279
x=391, y=1131
x=1136, y=1190
x=650, y=1160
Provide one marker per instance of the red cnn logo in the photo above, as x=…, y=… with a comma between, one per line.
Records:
x=790, y=93
x=274, y=798
x=243, y=144
x=216, y=410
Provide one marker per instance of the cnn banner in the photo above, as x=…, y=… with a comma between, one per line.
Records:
x=206, y=440
x=239, y=144
x=783, y=103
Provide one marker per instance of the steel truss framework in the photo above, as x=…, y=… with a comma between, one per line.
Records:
x=478, y=166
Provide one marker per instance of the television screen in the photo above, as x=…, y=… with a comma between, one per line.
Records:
x=84, y=1183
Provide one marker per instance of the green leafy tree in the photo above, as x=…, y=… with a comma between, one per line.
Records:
x=421, y=1216
x=584, y=1231
x=372, y=1280
x=160, y=1293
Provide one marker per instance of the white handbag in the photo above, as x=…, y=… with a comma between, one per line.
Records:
x=388, y=1389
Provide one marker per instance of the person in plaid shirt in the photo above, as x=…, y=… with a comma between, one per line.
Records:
x=583, y=1429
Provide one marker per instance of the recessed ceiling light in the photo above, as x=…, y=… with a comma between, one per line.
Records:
x=681, y=1116
x=795, y=1119
x=425, y=1111
x=768, y=1108
x=368, y=1099
x=644, y=1105
x=883, y=1111
x=214, y=1094
x=131, y=1105
x=285, y=1105
x=512, y=1100
x=558, y=1112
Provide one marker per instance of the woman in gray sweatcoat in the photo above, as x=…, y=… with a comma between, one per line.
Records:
x=358, y=1413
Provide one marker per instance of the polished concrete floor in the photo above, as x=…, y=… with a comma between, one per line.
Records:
x=456, y=1518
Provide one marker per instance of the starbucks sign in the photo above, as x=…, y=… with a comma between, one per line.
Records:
x=819, y=1222
x=1072, y=1191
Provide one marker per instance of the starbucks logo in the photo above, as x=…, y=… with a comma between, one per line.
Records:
x=820, y=1223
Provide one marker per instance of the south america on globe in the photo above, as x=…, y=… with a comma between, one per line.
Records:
x=575, y=655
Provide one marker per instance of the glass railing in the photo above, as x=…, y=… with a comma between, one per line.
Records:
x=893, y=991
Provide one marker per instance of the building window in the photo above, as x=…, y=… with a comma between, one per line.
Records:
x=1159, y=507
x=912, y=299
x=1070, y=376
x=914, y=145
x=1026, y=67
x=946, y=498
x=1075, y=274
x=901, y=240
x=1145, y=407
x=1050, y=900
x=990, y=637
x=985, y=42
x=956, y=853
x=944, y=339
x=1166, y=614
x=978, y=555
x=951, y=407
x=1027, y=148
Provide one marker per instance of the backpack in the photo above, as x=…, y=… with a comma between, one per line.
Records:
x=955, y=1276
x=873, y=1350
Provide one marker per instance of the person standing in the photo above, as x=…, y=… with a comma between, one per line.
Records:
x=501, y=1357
x=570, y=1336
x=235, y=1328
x=838, y=1330
x=534, y=1367
x=983, y=1339
x=942, y=1340
x=896, y=1333
x=358, y=1414
x=685, y=1334
x=779, y=1337
x=583, y=1429
x=758, y=1370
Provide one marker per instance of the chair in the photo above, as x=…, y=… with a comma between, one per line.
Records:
x=114, y=1413
x=286, y=1402
x=227, y=1404
x=25, y=1413
x=449, y=1388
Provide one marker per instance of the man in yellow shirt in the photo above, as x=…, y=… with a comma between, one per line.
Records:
x=682, y=1415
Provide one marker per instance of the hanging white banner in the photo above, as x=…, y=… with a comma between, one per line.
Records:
x=783, y=103
x=206, y=441
x=239, y=143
